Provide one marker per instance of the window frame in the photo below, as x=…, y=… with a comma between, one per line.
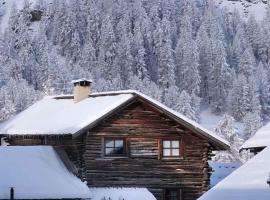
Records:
x=171, y=148
x=124, y=154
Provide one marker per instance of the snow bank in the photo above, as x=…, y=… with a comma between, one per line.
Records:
x=260, y=139
x=37, y=172
x=249, y=182
x=121, y=194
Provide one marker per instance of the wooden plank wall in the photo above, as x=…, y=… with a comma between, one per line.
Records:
x=143, y=127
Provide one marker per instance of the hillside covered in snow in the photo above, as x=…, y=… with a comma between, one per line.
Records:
x=257, y=8
x=200, y=59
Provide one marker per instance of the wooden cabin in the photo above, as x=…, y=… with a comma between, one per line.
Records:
x=121, y=139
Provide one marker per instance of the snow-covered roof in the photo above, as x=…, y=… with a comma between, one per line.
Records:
x=249, y=182
x=37, y=172
x=121, y=193
x=55, y=115
x=260, y=139
x=60, y=115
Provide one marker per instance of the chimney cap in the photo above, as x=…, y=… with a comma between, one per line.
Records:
x=82, y=82
x=81, y=79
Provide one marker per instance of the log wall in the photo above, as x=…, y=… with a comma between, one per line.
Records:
x=144, y=129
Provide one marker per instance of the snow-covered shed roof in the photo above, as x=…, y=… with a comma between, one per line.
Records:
x=248, y=182
x=60, y=115
x=121, y=193
x=37, y=172
x=260, y=139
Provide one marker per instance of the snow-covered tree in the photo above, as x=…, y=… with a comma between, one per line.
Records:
x=187, y=60
x=220, y=79
x=226, y=130
x=15, y=97
x=252, y=122
x=244, y=97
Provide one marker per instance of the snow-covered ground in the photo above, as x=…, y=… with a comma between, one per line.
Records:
x=221, y=170
x=244, y=7
x=121, y=194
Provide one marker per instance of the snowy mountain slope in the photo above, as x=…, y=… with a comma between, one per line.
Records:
x=210, y=121
x=6, y=9
x=244, y=7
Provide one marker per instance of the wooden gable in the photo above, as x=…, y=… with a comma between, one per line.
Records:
x=144, y=128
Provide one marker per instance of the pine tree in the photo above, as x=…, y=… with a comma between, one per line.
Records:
x=205, y=61
x=247, y=63
x=264, y=90
x=244, y=97
x=187, y=58
x=185, y=106
x=166, y=67
x=107, y=50
x=238, y=97
x=220, y=78
x=252, y=122
x=124, y=58
x=139, y=55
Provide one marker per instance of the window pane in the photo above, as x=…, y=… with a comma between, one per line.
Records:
x=166, y=152
x=175, y=144
x=109, y=143
x=173, y=193
x=119, y=143
x=166, y=144
x=109, y=151
x=119, y=151
x=175, y=152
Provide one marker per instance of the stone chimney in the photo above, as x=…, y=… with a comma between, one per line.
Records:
x=81, y=89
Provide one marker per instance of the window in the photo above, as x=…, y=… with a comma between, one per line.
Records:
x=114, y=147
x=172, y=194
x=171, y=148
